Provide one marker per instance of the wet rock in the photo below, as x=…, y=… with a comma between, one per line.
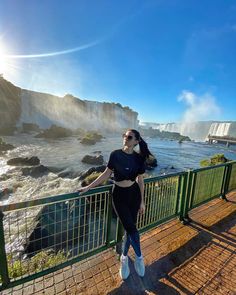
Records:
x=4, y=193
x=55, y=132
x=36, y=171
x=88, y=141
x=78, y=132
x=33, y=161
x=5, y=146
x=8, y=131
x=91, y=138
x=4, y=177
x=92, y=170
x=29, y=127
x=94, y=160
x=69, y=174
x=151, y=163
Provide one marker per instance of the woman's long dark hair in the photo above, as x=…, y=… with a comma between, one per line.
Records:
x=143, y=147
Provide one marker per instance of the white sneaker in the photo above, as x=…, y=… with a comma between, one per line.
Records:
x=124, y=267
x=139, y=266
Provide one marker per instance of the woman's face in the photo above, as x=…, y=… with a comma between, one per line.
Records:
x=129, y=139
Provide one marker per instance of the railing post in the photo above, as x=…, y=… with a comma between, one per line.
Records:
x=185, y=196
x=226, y=180
x=191, y=192
x=183, y=193
x=109, y=219
x=179, y=193
x=3, y=257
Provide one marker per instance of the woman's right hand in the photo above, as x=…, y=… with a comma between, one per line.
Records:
x=83, y=189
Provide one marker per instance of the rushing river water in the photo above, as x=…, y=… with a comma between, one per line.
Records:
x=66, y=154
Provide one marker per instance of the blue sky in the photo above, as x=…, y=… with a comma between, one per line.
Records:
x=168, y=60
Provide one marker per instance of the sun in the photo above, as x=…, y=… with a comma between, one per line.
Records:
x=8, y=67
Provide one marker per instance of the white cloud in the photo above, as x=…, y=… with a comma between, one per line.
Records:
x=202, y=107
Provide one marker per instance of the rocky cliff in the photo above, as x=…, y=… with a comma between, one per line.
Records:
x=18, y=106
x=10, y=106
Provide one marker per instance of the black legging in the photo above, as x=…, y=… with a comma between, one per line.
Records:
x=126, y=203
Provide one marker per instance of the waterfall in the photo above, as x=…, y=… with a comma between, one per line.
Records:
x=219, y=129
x=195, y=130
x=71, y=112
x=198, y=130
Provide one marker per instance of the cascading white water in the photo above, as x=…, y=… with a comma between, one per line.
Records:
x=197, y=130
x=70, y=112
x=219, y=129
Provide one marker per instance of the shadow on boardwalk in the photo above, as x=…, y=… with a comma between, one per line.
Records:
x=205, y=264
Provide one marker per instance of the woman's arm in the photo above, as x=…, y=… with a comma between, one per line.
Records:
x=104, y=176
x=140, y=182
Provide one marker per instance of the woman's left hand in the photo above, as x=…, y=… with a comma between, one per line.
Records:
x=142, y=208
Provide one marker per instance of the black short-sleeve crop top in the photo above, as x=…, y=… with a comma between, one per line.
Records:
x=125, y=166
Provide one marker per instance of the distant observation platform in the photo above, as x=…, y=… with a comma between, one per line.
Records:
x=221, y=139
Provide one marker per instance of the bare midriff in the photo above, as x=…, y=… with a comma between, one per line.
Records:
x=124, y=183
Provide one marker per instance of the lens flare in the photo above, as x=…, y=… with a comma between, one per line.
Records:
x=13, y=65
x=55, y=53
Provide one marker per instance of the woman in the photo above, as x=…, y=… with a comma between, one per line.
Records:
x=127, y=194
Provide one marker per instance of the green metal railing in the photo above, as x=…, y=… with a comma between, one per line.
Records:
x=232, y=178
x=43, y=235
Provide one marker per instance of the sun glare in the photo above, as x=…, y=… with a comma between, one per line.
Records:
x=8, y=68
x=2, y=61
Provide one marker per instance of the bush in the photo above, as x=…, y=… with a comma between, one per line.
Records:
x=214, y=160
x=90, y=178
x=40, y=261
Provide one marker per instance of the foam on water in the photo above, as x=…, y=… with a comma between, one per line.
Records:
x=67, y=154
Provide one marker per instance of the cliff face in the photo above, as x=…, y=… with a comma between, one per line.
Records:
x=18, y=106
x=10, y=106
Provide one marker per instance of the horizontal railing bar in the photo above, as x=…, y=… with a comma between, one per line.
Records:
x=213, y=167
x=53, y=199
x=71, y=196
x=156, y=178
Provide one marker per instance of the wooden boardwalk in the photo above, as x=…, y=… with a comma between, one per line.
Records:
x=222, y=139
x=199, y=258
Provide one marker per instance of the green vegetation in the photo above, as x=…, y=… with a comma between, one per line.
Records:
x=55, y=132
x=91, y=138
x=42, y=260
x=90, y=178
x=214, y=160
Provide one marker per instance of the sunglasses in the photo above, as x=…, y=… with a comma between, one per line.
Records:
x=129, y=137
